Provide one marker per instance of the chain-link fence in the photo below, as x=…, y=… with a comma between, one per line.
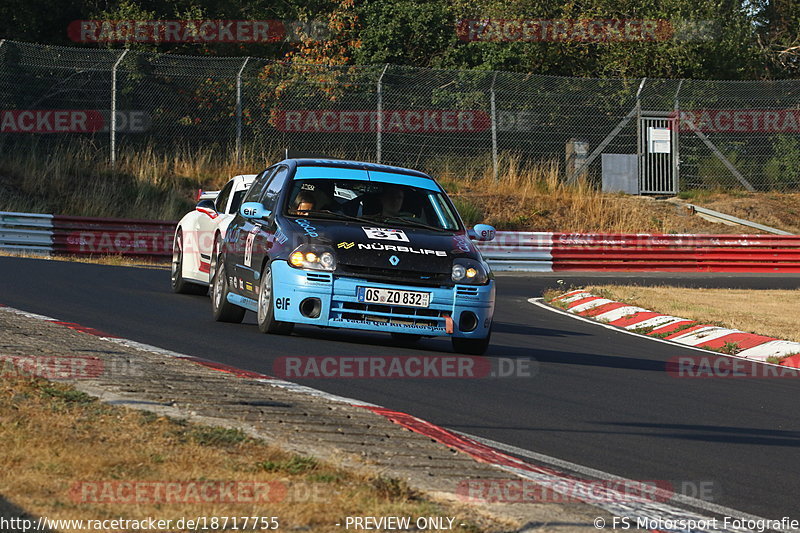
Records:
x=675, y=134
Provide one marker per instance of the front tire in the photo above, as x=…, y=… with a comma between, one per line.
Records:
x=223, y=310
x=266, y=308
x=472, y=346
x=179, y=284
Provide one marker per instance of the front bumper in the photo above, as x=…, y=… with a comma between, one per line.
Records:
x=450, y=310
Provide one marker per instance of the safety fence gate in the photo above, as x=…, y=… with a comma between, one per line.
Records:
x=657, y=152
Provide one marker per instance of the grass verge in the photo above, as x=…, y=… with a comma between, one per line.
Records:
x=765, y=312
x=54, y=438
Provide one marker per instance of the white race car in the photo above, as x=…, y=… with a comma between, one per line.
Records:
x=196, y=231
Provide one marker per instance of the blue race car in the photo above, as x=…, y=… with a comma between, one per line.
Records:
x=355, y=245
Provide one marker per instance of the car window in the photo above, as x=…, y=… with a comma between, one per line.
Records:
x=222, y=198
x=270, y=198
x=259, y=185
x=371, y=199
x=236, y=202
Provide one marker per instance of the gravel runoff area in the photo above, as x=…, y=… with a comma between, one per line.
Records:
x=295, y=420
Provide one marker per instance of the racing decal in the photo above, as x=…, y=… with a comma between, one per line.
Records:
x=281, y=237
x=406, y=249
x=373, y=323
x=248, y=247
x=282, y=303
x=385, y=234
x=307, y=187
x=248, y=286
x=394, y=260
x=246, y=211
x=205, y=266
x=209, y=212
x=346, y=245
x=310, y=230
x=462, y=243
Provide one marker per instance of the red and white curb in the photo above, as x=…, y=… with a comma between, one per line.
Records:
x=679, y=330
x=615, y=502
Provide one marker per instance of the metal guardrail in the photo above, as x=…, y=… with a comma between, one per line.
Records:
x=60, y=234
x=510, y=251
x=552, y=252
x=28, y=232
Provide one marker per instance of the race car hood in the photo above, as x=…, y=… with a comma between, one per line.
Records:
x=389, y=247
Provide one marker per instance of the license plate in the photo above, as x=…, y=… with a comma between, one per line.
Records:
x=371, y=295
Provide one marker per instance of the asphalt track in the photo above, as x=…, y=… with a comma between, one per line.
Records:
x=600, y=398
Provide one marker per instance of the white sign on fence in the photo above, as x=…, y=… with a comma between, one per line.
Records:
x=658, y=140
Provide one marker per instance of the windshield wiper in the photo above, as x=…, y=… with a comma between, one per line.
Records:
x=414, y=223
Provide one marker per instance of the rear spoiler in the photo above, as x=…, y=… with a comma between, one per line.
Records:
x=206, y=195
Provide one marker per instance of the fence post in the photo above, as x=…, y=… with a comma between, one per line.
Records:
x=494, y=130
x=676, y=144
x=113, y=125
x=239, y=110
x=379, y=126
x=640, y=147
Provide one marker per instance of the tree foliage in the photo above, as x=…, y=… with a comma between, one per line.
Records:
x=734, y=39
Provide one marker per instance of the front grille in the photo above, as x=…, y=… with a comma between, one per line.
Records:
x=392, y=275
x=320, y=277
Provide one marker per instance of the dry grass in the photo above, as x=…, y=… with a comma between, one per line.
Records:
x=765, y=312
x=776, y=209
x=537, y=198
x=53, y=436
x=76, y=179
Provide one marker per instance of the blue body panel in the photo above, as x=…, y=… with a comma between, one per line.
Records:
x=403, y=179
x=242, y=301
x=340, y=306
x=357, y=174
x=334, y=173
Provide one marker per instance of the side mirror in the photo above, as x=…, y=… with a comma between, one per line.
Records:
x=206, y=204
x=254, y=210
x=482, y=232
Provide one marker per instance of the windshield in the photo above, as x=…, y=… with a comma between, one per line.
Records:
x=371, y=200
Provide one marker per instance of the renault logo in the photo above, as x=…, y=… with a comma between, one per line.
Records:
x=394, y=260
x=346, y=245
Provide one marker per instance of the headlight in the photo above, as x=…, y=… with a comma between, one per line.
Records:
x=313, y=257
x=470, y=271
